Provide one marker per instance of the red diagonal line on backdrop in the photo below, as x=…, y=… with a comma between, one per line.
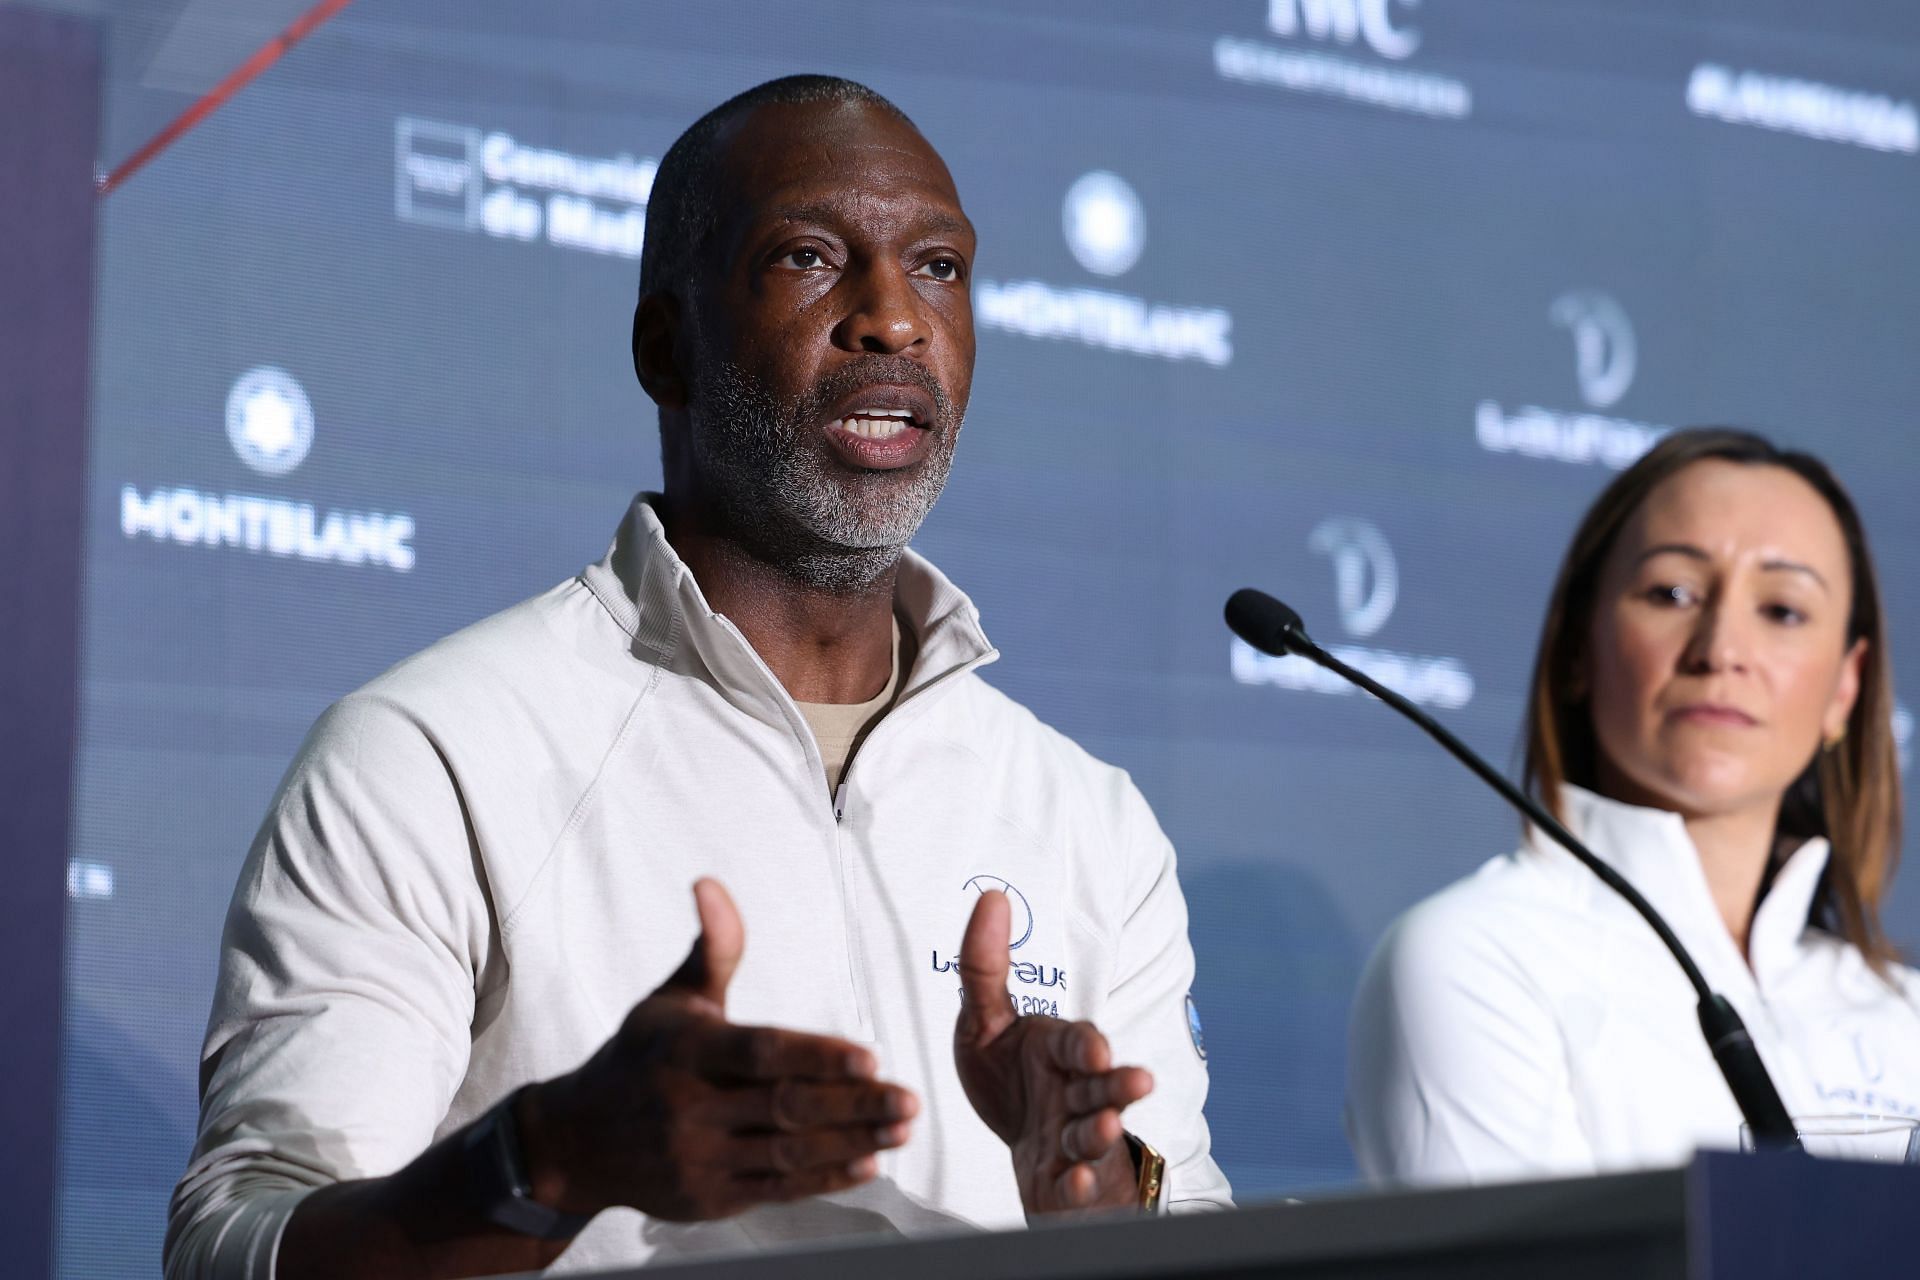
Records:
x=265, y=56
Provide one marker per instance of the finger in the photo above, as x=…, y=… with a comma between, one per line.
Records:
x=1118, y=1089
x=791, y=1104
x=1076, y=1186
x=763, y=1188
x=1079, y=1046
x=785, y=1153
x=716, y=952
x=985, y=1012
x=729, y=1052
x=1090, y=1137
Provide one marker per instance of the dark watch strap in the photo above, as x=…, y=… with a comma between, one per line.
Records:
x=497, y=1174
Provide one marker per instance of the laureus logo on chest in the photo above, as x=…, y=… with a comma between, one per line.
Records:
x=1022, y=971
x=1028, y=973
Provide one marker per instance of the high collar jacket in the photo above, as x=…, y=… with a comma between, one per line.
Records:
x=480, y=861
x=1526, y=1022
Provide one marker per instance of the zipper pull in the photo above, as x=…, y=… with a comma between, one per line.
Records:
x=840, y=800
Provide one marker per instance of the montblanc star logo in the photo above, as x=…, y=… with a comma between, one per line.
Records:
x=269, y=420
x=1104, y=223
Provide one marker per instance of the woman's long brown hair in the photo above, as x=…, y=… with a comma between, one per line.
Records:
x=1849, y=793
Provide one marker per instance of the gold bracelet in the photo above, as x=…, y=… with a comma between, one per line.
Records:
x=1152, y=1168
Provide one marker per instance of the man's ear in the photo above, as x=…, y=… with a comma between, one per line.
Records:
x=656, y=331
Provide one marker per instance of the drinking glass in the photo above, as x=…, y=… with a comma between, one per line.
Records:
x=1879, y=1139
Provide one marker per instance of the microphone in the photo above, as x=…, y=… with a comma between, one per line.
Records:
x=1273, y=628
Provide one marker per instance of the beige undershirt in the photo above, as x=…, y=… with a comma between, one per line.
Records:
x=839, y=727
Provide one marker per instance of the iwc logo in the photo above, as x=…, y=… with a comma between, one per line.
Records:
x=1355, y=50
x=1105, y=226
x=269, y=420
x=1368, y=22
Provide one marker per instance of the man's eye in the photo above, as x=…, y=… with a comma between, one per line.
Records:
x=941, y=269
x=802, y=259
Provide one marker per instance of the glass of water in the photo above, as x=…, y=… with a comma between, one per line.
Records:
x=1878, y=1139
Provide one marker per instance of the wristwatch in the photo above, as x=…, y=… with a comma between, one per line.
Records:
x=1152, y=1168
x=497, y=1177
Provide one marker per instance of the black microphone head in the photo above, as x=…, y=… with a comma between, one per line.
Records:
x=1265, y=623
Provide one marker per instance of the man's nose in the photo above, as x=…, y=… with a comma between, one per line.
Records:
x=885, y=314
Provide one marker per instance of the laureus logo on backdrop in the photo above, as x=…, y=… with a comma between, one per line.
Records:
x=1322, y=35
x=1366, y=587
x=453, y=177
x=1105, y=226
x=1809, y=108
x=1605, y=357
x=270, y=426
x=1605, y=354
x=1366, y=578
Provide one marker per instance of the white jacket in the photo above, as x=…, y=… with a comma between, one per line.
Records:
x=1525, y=1022
x=481, y=860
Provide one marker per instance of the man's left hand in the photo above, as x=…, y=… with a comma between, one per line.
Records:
x=1048, y=1088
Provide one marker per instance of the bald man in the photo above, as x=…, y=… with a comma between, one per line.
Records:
x=711, y=900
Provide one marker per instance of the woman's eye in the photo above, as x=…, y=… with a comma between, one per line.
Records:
x=1784, y=613
x=941, y=269
x=802, y=259
x=1670, y=594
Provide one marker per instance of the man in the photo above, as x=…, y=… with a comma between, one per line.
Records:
x=465, y=1020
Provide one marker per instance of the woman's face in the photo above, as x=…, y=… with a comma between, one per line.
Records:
x=1717, y=660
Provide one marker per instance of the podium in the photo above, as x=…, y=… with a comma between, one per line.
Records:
x=1722, y=1217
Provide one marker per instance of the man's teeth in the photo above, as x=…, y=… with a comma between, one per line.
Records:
x=877, y=424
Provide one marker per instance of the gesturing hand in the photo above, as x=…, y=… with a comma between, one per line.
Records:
x=685, y=1116
x=1048, y=1088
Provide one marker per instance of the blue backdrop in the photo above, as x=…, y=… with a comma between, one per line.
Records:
x=1357, y=300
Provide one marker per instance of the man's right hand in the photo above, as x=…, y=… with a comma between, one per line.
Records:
x=685, y=1116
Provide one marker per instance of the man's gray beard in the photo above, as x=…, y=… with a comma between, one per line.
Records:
x=782, y=492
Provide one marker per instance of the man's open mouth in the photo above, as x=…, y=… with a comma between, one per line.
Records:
x=877, y=424
x=882, y=410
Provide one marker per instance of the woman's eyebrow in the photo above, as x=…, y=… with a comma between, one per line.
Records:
x=1692, y=552
x=1794, y=566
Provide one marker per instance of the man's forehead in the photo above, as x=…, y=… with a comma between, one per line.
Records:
x=787, y=156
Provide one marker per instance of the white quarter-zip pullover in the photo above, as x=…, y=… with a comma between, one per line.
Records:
x=481, y=860
x=1526, y=1022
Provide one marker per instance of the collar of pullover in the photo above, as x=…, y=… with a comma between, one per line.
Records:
x=649, y=591
x=1652, y=849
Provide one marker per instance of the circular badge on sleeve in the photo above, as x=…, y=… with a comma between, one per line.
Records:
x=1193, y=1028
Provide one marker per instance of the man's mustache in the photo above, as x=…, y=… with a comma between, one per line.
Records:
x=870, y=370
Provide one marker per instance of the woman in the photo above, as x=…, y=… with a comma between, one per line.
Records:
x=1711, y=712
